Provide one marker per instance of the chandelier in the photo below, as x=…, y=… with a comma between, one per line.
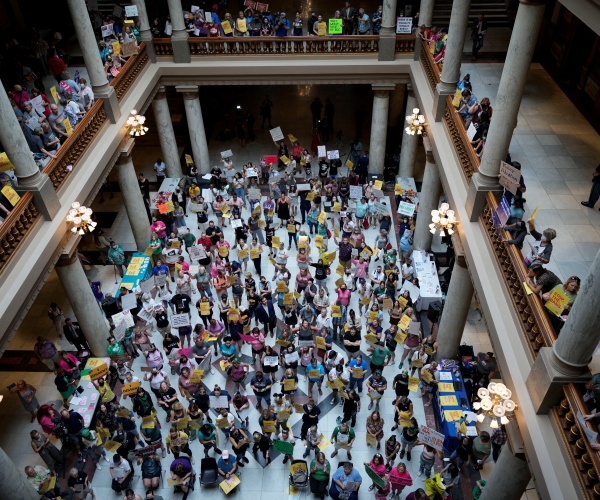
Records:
x=443, y=218
x=495, y=403
x=136, y=124
x=81, y=218
x=416, y=123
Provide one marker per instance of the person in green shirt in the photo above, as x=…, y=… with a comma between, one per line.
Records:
x=478, y=489
x=114, y=348
x=380, y=357
x=116, y=256
x=188, y=239
x=320, y=470
x=343, y=436
x=208, y=438
x=155, y=246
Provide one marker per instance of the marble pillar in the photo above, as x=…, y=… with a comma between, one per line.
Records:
x=456, y=310
x=14, y=482
x=509, y=478
x=166, y=134
x=28, y=174
x=428, y=200
x=506, y=104
x=144, y=26
x=193, y=113
x=179, y=38
x=85, y=307
x=132, y=197
x=91, y=57
x=387, y=34
x=459, y=22
x=410, y=143
x=425, y=19
x=379, y=126
x=568, y=359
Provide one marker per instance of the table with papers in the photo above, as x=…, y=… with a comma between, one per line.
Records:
x=429, y=283
x=85, y=403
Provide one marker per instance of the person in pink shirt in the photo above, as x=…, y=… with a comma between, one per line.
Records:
x=159, y=228
x=378, y=466
x=257, y=343
x=361, y=268
x=343, y=295
x=399, y=479
x=70, y=364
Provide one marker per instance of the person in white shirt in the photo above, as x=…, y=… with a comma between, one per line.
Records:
x=407, y=270
x=324, y=320
x=160, y=168
x=377, y=276
x=286, y=437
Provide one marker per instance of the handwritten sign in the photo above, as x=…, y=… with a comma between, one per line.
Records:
x=276, y=133
x=509, y=177
x=404, y=25
x=335, y=26
x=431, y=437
x=178, y=320
x=557, y=301
x=131, y=388
x=334, y=154
x=406, y=208
x=322, y=151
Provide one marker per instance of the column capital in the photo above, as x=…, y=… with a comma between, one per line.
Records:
x=189, y=92
x=69, y=253
x=461, y=261
x=125, y=153
x=382, y=89
x=161, y=93
x=66, y=259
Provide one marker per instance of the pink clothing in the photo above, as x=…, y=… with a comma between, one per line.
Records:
x=378, y=469
x=399, y=481
x=361, y=268
x=258, y=342
x=344, y=296
x=65, y=366
x=159, y=228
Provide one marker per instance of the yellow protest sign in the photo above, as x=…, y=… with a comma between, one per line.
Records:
x=226, y=25
x=98, y=372
x=5, y=163
x=402, y=301
x=319, y=242
x=148, y=422
x=68, y=127
x=288, y=299
x=289, y=384
x=261, y=224
x=116, y=49
x=322, y=28
x=448, y=401
x=11, y=195
x=189, y=160
x=426, y=376
x=340, y=269
x=231, y=280
x=336, y=311
x=365, y=301
x=416, y=363
x=229, y=484
x=528, y=290
x=54, y=93
x=322, y=217
x=534, y=214
x=284, y=159
x=275, y=241
x=397, y=189
x=349, y=164
x=131, y=388
x=378, y=185
x=357, y=372
x=445, y=387
x=111, y=446
x=284, y=415
x=292, y=138
x=204, y=308
x=233, y=314
x=557, y=301
x=222, y=422
x=373, y=315
x=452, y=415
x=241, y=25
x=371, y=339
x=291, y=228
x=224, y=251
x=310, y=196
x=413, y=384
x=400, y=337
x=337, y=207
x=196, y=377
x=321, y=343
x=242, y=253
x=404, y=323
x=282, y=287
x=182, y=424
x=371, y=440
x=254, y=253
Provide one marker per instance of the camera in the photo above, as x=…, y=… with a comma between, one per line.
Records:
x=60, y=431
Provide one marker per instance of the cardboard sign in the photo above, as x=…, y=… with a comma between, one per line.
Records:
x=129, y=48
x=509, y=177
x=321, y=151
x=276, y=133
x=431, y=437
x=254, y=194
x=131, y=388
x=98, y=372
x=335, y=26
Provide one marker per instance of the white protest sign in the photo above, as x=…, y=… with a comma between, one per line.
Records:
x=591, y=435
x=161, y=279
x=292, y=357
x=251, y=172
x=303, y=187
x=509, y=177
x=471, y=131
x=106, y=30
x=356, y=192
x=147, y=285
x=432, y=438
x=194, y=8
x=334, y=154
x=168, y=28
x=195, y=253
x=226, y=154
x=208, y=17
x=218, y=402
x=119, y=331
x=128, y=301
x=406, y=208
x=131, y=11
x=178, y=320
x=380, y=208
x=254, y=194
x=321, y=151
x=413, y=291
x=404, y=25
x=277, y=134
x=38, y=104
x=235, y=223
x=271, y=360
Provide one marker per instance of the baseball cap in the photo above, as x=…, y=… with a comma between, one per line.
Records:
x=225, y=454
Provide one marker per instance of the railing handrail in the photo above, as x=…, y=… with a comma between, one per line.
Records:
x=15, y=213
x=129, y=70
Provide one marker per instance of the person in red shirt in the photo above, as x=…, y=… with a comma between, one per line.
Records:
x=57, y=66
x=206, y=242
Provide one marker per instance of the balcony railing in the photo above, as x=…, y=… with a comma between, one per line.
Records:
x=70, y=153
x=132, y=68
x=584, y=460
x=535, y=326
x=313, y=45
x=16, y=226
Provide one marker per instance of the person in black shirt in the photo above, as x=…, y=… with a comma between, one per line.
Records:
x=214, y=233
x=310, y=417
x=74, y=424
x=181, y=301
x=595, y=191
x=352, y=336
x=79, y=484
x=171, y=345
x=400, y=384
x=462, y=454
x=402, y=404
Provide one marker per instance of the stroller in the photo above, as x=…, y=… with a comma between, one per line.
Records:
x=299, y=473
x=209, y=472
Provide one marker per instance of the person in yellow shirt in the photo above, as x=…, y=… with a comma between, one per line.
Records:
x=108, y=396
x=241, y=25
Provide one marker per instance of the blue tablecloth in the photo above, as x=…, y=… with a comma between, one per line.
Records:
x=449, y=428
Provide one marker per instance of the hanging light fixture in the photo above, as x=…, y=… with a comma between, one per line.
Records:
x=443, y=218
x=81, y=218
x=136, y=124
x=416, y=123
x=496, y=404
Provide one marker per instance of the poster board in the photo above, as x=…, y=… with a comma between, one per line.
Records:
x=404, y=25
x=277, y=134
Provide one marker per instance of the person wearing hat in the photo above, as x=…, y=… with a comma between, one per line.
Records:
x=227, y=465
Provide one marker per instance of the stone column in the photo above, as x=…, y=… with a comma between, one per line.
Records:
x=428, y=201
x=144, y=26
x=408, y=152
x=387, y=34
x=166, y=134
x=506, y=105
x=456, y=310
x=459, y=21
x=425, y=19
x=28, y=174
x=85, y=308
x=379, y=126
x=567, y=360
x=193, y=113
x=13, y=482
x=132, y=197
x=510, y=477
x=93, y=63
x=179, y=38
